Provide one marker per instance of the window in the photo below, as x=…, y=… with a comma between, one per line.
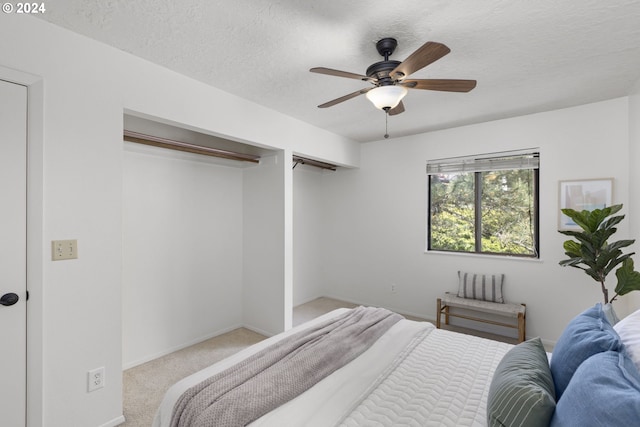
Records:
x=484, y=204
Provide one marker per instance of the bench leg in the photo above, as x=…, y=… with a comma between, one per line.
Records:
x=438, y=312
x=521, y=327
x=446, y=314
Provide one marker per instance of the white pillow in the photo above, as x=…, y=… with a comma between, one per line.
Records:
x=629, y=331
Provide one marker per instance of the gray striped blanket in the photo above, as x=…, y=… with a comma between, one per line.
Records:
x=279, y=373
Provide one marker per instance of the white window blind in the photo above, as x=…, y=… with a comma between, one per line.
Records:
x=508, y=160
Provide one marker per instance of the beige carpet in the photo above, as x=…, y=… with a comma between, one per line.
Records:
x=145, y=385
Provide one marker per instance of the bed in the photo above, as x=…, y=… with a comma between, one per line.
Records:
x=413, y=374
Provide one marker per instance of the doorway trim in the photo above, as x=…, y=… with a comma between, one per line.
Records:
x=35, y=235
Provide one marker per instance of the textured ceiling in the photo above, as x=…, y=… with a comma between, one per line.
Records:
x=527, y=56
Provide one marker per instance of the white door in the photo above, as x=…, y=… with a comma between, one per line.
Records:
x=13, y=246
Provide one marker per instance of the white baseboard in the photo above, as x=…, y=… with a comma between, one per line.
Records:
x=388, y=307
x=114, y=422
x=304, y=301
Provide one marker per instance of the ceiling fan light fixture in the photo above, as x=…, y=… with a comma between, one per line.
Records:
x=386, y=97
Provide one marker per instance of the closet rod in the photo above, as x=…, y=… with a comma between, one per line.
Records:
x=157, y=141
x=303, y=160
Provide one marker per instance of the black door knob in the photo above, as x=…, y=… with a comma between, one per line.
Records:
x=9, y=299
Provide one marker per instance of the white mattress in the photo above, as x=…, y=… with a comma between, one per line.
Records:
x=414, y=375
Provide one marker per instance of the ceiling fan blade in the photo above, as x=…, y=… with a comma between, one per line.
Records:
x=425, y=55
x=338, y=73
x=445, y=85
x=344, y=98
x=397, y=110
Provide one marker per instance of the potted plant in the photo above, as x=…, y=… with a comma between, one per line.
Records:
x=593, y=253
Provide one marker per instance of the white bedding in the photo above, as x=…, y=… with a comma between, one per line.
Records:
x=414, y=375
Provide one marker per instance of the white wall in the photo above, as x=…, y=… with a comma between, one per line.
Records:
x=374, y=233
x=182, y=251
x=80, y=90
x=634, y=177
x=308, y=211
x=267, y=279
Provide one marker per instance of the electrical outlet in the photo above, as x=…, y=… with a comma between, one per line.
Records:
x=393, y=288
x=95, y=379
x=64, y=249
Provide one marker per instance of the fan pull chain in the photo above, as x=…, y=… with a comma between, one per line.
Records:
x=386, y=124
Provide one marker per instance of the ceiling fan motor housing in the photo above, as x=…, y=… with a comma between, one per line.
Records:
x=380, y=70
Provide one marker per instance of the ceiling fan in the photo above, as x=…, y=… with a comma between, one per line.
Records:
x=389, y=77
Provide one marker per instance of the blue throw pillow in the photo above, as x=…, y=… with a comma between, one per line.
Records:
x=587, y=334
x=605, y=391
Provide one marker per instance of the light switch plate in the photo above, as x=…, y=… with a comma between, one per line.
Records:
x=64, y=249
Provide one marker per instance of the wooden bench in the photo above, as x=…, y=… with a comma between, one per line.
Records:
x=511, y=310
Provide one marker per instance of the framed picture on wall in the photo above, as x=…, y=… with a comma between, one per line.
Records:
x=583, y=194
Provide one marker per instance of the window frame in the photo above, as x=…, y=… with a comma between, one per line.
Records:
x=478, y=202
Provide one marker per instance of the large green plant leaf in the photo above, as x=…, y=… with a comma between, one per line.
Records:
x=584, y=240
x=587, y=252
x=599, y=237
x=614, y=209
x=615, y=220
x=628, y=278
x=579, y=217
x=572, y=248
x=615, y=263
x=590, y=221
x=596, y=217
x=620, y=244
x=605, y=259
x=573, y=262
